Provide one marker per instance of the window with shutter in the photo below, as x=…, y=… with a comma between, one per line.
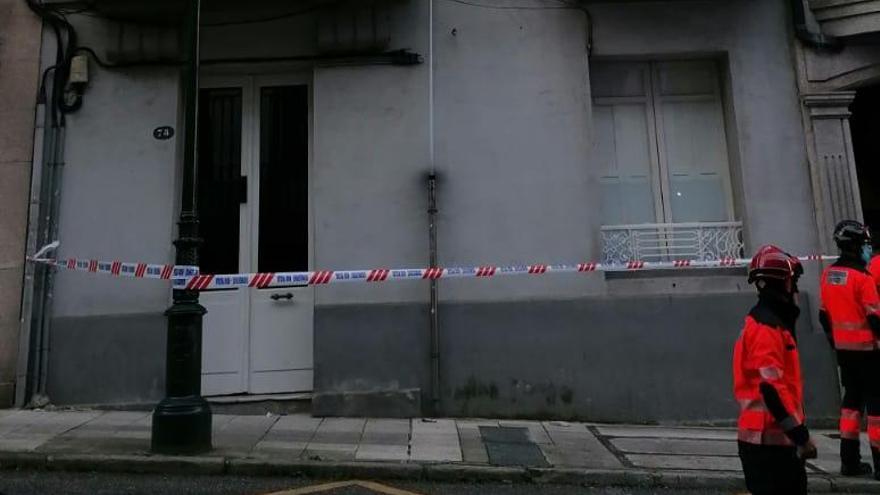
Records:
x=662, y=151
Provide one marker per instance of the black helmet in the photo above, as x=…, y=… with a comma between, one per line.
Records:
x=851, y=235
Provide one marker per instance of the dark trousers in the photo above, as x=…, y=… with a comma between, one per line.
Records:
x=773, y=470
x=860, y=377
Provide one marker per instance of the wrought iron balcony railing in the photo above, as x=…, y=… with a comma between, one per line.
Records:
x=671, y=241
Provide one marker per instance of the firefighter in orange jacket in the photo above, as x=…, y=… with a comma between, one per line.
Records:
x=874, y=268
x=850, y=316
x=773, y=440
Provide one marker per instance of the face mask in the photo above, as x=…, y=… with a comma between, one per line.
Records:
x=867, y=253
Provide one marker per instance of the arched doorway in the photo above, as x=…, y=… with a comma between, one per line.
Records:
x=865, y=129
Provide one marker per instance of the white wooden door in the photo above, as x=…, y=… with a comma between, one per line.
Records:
x=255, y=141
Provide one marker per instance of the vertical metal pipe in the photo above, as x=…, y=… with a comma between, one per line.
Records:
x=25, y=374
x=435, y=320
x=56, y=173
x=182, y=420
x=42, y=273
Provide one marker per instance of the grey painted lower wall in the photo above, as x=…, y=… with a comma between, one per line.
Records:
x=634, y=359
x=114, y=359
x=371, y=359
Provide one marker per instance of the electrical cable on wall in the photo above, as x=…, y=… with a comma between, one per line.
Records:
x=66, y=42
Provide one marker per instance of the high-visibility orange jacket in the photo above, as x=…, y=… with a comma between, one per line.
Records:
x=767, y=381
x=849, y=303
x=874, y=270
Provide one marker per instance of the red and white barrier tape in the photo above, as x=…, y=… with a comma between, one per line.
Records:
x=289, y=279
x=188, y=277
x=179, y=274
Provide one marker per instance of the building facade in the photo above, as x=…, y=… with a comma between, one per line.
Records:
x=19, y=79
x=558, y=131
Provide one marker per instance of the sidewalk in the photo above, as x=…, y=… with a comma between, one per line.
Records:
x=442, y=449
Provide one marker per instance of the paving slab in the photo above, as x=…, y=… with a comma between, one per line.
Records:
x=706, y=463
x=573, y=442
x=8, y=413
x=116, y=419
x=675, y=446
x=386, y=432
x=473, y=423
x=279, y=449
x=369, y=452
x=536, y=430
x=330, y=452
x=340, y=431
x=297, y=422
x=299, y=436
x=663, y=432
x=110, y=444
x=379, y=425
x=472, y=447
x=43, y=428
x=829, y=452
x=435, y=441
x=242, y=433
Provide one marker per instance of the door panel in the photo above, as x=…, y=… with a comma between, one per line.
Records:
x=219, y=178
x=281, y=341
x=224, y=336
x=284, y=179
x=281, y=328
x=224, y=366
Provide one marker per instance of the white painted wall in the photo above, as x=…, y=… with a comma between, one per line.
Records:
x=513, y=147
x=119, y=199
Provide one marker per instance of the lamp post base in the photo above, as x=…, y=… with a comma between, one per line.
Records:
x=181, y=426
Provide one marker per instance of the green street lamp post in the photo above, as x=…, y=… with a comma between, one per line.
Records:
x=182, y=420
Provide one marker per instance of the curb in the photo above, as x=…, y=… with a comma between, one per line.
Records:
x=239, y=466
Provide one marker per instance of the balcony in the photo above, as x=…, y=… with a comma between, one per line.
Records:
x=671, y=242
x=847, y=17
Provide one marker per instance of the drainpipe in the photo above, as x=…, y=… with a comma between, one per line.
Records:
x=182, y=420
x=806, y=28
x=435, y=320
x=56, y=171
x=37, y=304
x=434, y=325
x=24, y=378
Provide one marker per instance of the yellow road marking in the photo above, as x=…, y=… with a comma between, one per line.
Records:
x=326, y=487
x=387, y=490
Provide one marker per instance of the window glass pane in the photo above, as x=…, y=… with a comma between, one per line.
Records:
x=696, y=157
x=624, y=153
x=284, y=188
x=219, y=178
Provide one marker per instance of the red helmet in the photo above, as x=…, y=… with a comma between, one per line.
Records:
x=770, y=262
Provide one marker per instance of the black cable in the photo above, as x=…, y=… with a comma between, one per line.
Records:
x=43, y=97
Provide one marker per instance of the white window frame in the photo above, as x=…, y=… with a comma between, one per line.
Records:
x=653, y=101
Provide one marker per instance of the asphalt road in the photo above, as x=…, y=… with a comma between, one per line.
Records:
x=46, y=483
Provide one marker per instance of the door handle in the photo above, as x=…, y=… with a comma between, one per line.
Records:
x=277, y=297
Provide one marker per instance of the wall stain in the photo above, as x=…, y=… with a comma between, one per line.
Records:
x=474, y=389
